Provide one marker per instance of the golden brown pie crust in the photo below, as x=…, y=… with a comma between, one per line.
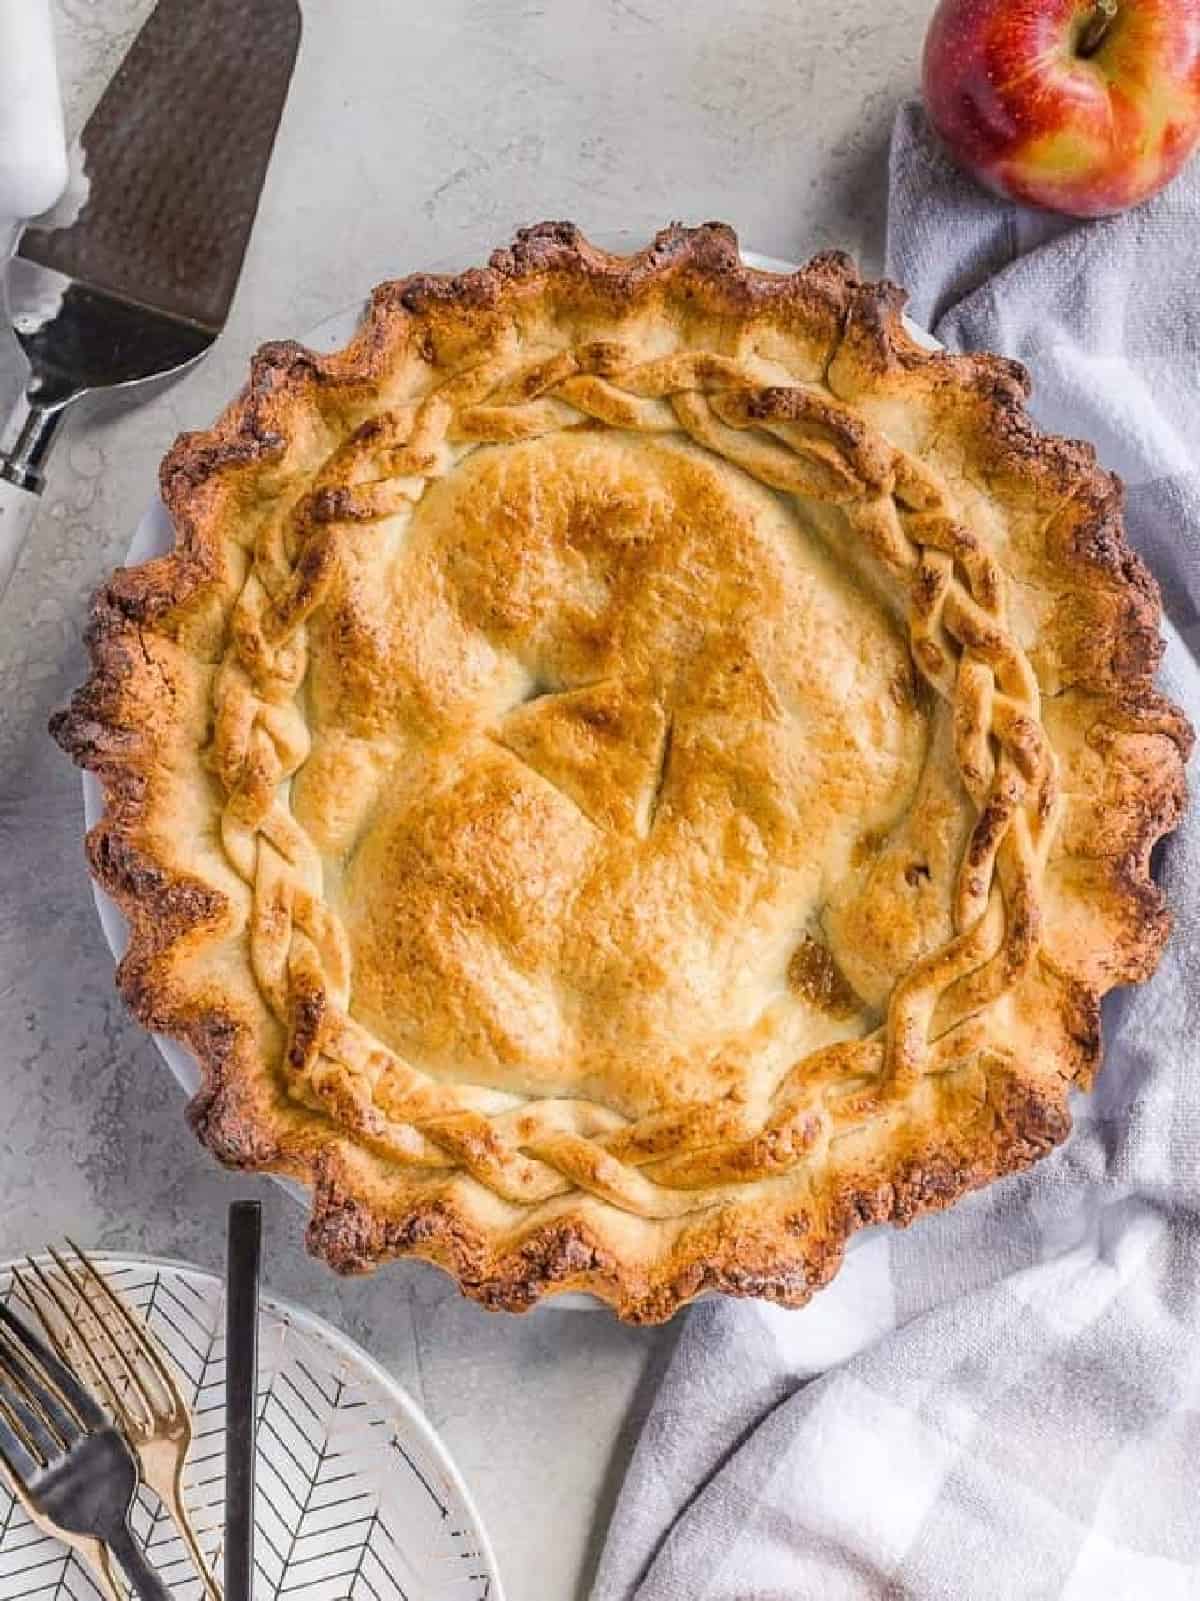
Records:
x=633, y=770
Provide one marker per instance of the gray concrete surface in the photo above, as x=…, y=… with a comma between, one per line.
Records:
x=414, y=133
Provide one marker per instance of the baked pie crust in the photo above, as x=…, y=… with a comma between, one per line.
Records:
x=633, y=770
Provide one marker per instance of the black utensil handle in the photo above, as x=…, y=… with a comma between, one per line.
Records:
x=24, y=445
x=241, y=1381
x=146, y=1583
x=26, y=437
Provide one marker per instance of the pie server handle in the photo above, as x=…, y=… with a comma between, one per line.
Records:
x=31, y=428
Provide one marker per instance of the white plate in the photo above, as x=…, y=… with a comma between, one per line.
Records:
x=358, y=1499
x=154, y=536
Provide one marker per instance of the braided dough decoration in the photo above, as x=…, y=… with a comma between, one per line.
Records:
x=228, y=719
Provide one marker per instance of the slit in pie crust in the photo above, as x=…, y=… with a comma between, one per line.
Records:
x=633, y=770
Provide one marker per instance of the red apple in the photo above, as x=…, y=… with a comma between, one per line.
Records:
x=1083, y=106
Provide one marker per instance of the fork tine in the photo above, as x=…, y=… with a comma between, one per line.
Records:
x=42, y=1360
x=33, y=1299
x=135, y=1384
x=136, y=1328
x=44, y=1418
x=27, y=1383
x=97, y=1368
x=14, y=1443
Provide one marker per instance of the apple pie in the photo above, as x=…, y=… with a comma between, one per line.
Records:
x=633, y=770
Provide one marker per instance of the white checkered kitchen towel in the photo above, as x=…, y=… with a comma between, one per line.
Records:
x=1003, y=1402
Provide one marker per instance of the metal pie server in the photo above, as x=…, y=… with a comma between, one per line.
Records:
x=139, y=285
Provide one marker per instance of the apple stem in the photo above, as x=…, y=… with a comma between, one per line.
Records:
x=1096, y=28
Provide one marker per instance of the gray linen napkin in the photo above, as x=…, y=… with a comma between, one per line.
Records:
x=1005, y=1400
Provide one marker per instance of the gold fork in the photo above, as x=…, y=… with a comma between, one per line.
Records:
x=106, y=1337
